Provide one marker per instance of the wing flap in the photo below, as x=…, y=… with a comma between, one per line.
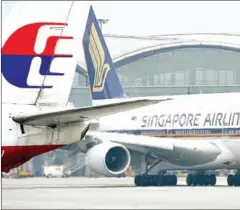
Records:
x=81, y=114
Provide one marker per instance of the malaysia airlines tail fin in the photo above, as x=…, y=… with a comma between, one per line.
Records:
x=103, y=78
x=40, y=53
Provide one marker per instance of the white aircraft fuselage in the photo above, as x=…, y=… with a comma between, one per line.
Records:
x=187, y=121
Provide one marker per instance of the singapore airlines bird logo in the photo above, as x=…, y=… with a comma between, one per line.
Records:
x=98, y=59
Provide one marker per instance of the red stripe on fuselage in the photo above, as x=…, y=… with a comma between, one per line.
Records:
x=14, y=156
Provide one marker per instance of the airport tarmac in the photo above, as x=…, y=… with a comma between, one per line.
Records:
x=112, y=193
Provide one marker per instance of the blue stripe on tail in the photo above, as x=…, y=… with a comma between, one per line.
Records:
x=103, y=79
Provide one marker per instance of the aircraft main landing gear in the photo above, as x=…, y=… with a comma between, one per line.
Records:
x=234, y=180
x=161, y=179
x=201, y=180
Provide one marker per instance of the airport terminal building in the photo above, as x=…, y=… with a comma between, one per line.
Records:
x=169, y=64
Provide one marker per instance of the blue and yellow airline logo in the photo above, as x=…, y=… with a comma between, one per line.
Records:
x=98, y=59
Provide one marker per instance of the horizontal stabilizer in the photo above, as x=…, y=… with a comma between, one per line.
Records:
x=81, y=114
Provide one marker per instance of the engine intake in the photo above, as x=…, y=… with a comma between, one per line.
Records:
x=109, y=159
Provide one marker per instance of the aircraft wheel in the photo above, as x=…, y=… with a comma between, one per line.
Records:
x=201, y=179
x=230, y=180
x=237, y=180
x=166, y=179
x=145, y=180
x=213, y=180
x=151, y=180
x=160, y=180
x=140, y=180
x=155, y=180
x=137, y=180
x=195, y=180
x=207, y=180
x=189, y=180
x=173, y=180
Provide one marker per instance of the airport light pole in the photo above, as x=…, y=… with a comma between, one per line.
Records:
x=102, y=21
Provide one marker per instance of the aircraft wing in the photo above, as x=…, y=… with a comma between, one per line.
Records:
x=134, y=142
x=175, y=151
x=81, y=114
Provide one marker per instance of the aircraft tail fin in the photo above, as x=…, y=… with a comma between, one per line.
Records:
x=103, y=79
x=39, y=53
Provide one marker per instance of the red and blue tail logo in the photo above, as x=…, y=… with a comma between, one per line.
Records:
x=18, y=53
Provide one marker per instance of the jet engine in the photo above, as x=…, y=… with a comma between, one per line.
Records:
x=109, y=159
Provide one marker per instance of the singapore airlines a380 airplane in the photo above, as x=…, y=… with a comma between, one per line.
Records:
x=39, y=58
x=198, y=132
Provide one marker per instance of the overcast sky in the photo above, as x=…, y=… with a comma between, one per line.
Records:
x=159, y=17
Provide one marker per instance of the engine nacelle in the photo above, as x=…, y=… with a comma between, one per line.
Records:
x=108, y=159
